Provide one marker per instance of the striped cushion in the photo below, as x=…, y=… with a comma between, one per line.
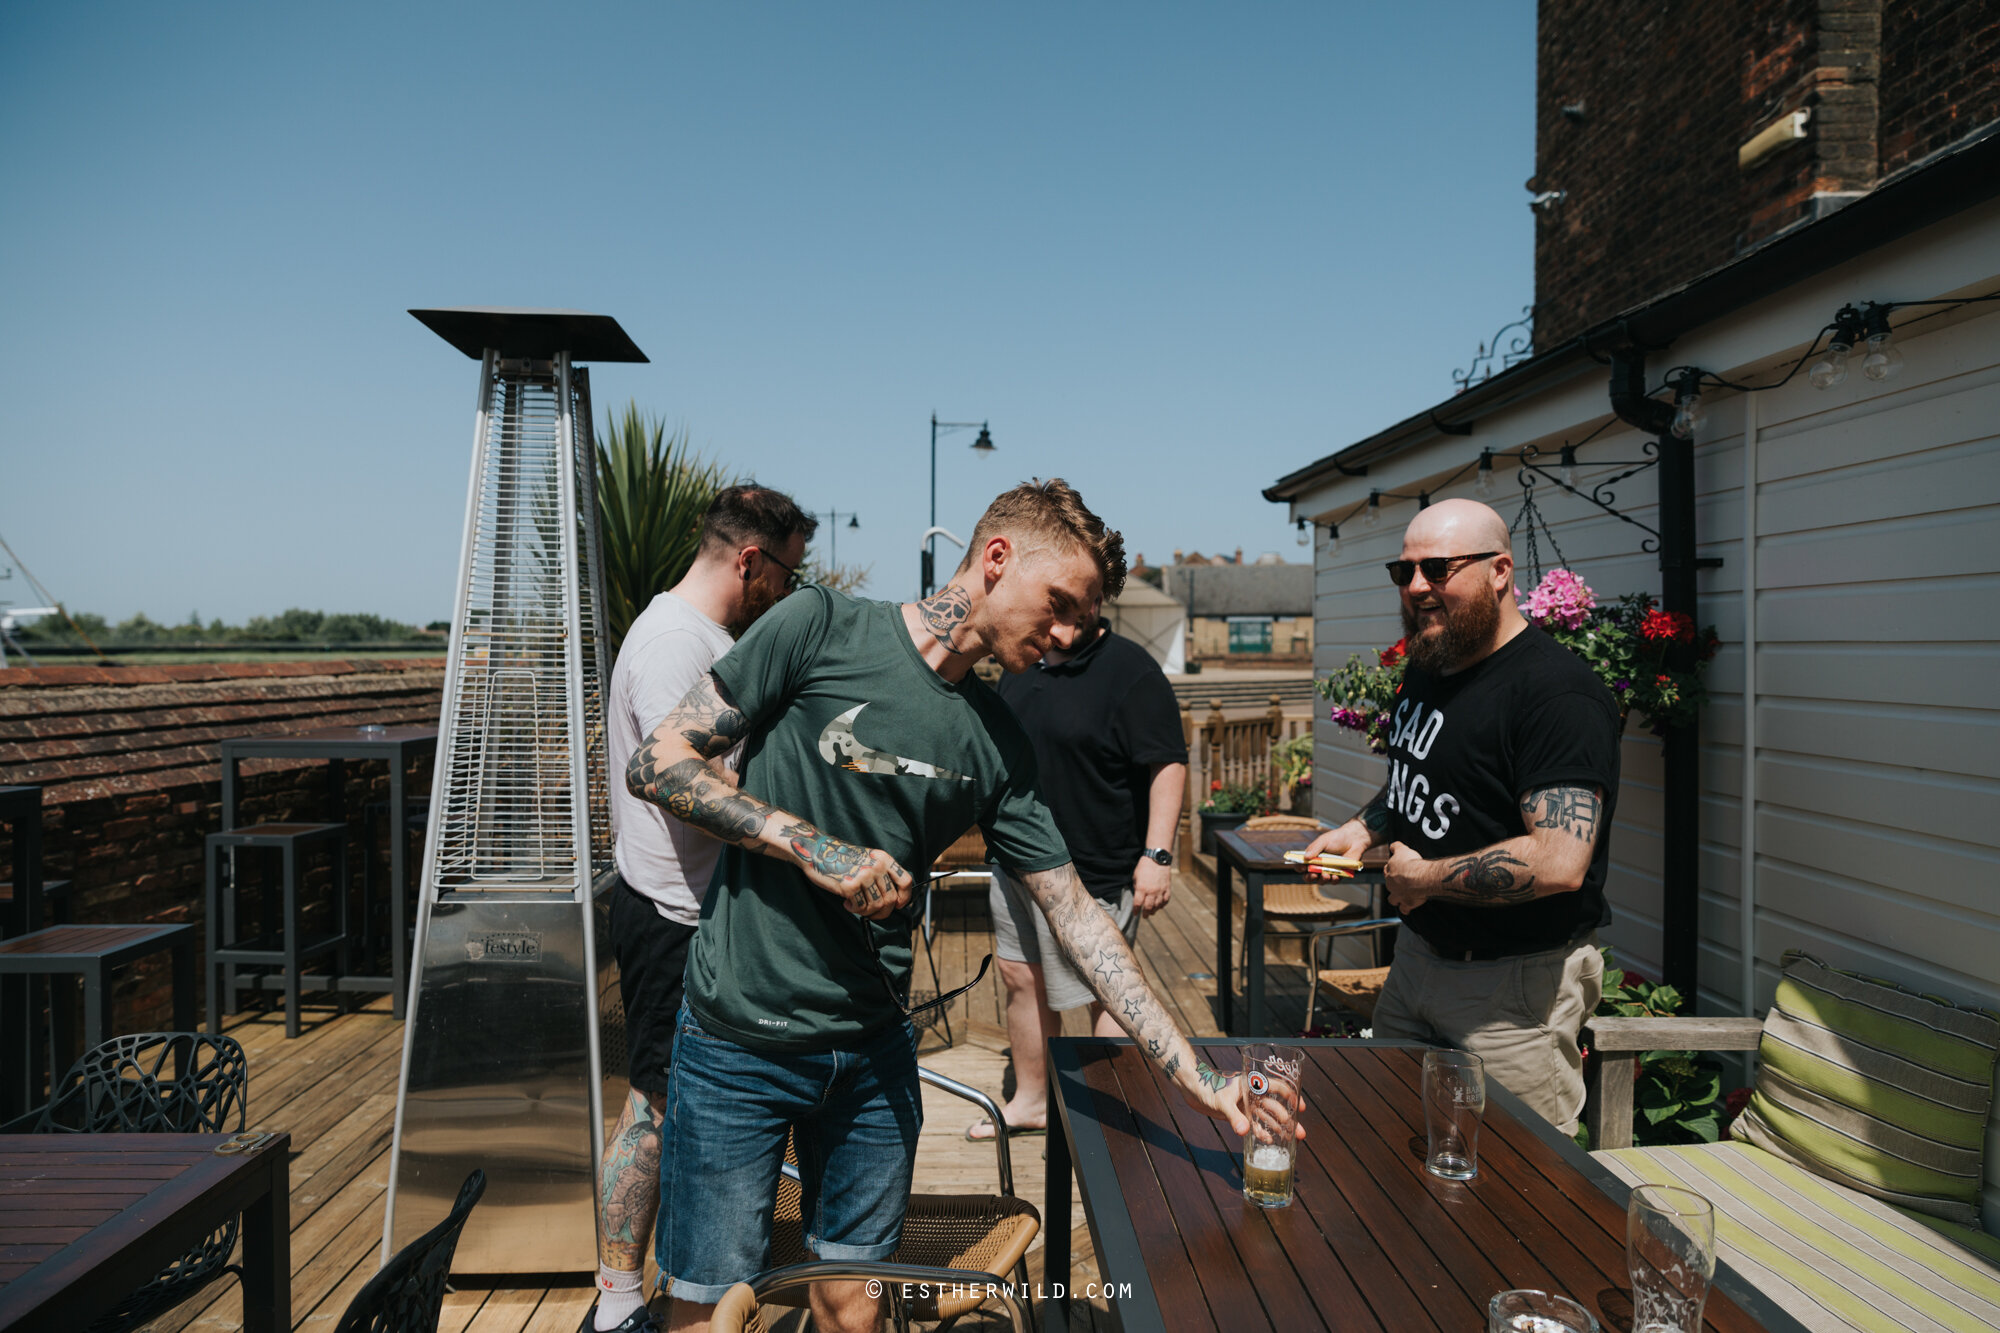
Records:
x=1831, y=1258
x=1882, y=1090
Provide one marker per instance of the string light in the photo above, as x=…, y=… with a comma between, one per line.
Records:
x=1305, y=537
x=1883, y=359
x=1852, y=326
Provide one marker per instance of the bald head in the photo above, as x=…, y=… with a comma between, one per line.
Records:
x=1455, y=527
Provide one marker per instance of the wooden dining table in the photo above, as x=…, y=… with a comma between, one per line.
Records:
x=86, y=1219
x=1371, y=1241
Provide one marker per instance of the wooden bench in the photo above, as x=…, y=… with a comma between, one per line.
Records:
x=1834, y=1258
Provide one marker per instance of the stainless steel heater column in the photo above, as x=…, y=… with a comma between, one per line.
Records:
x=501, y=1066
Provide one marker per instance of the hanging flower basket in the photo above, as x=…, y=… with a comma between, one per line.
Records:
x=1651, y=660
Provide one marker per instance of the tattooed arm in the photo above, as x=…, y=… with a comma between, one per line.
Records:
x=1357, y=835
x=1094, y=944
x=1552, y=857
x=672, y=770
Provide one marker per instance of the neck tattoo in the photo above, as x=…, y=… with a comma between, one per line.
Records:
x=943, y=612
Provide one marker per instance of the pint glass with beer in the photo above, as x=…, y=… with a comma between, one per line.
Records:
x=1271, y=1088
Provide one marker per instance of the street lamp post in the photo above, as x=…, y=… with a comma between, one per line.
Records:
x=981, y=446
x=833, y=517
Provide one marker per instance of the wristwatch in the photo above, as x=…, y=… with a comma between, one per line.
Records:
x=1159, y=854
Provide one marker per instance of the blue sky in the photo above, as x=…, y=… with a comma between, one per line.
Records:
x=1169, y=251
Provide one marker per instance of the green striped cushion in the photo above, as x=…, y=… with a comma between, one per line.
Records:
x=1875, y=1087
x=1834, y=1260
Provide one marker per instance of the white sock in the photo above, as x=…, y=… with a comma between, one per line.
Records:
x=617, y=1296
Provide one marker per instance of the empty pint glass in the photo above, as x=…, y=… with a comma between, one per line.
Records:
x=1454, y=1103
x=1537, y=1312
x=1271, y=1099
x=1670, y=1252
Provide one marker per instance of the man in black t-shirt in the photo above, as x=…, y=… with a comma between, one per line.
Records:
x=1106, y=730
x=1503, y=773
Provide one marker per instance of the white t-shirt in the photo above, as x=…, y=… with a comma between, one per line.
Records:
x=668, y=649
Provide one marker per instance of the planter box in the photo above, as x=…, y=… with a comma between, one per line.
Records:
x=1214, y=821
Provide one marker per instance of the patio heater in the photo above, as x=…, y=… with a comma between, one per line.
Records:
x=501, y=1051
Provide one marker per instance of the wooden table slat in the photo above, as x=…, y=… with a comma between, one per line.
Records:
x=1372, y=1240
x=1275, y=1244
x=1174, y=1282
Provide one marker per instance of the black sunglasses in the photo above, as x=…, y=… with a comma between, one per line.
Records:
x=1437, y=568
x=793, y=579
x=910, y=1012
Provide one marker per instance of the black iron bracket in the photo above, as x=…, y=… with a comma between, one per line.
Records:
x=1532, y=473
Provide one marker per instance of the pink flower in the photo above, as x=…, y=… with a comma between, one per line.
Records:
x=1562, y=600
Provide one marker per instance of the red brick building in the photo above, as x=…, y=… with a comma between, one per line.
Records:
x=1648, y=117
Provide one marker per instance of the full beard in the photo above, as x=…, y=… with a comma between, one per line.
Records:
x=1460, y=637
x=757, y=599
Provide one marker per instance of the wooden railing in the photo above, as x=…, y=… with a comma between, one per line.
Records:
x=1235, y=750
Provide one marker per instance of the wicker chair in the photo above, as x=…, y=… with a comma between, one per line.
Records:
x=741, y=1309
x=157, y=1083
x=407, y=1295
x=1355, y=988
x=1298, y=907
x=986, y=1235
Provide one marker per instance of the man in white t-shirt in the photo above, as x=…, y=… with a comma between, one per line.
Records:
x=753, y=542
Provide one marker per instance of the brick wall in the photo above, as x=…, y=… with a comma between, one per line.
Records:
x=1663, y=94
x=129, y=764
x=1940, y=75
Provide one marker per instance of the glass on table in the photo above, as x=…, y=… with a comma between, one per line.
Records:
x=1670, y=1253
x=1454, y=1103
x=1528, y=1311
x=1272, y=1101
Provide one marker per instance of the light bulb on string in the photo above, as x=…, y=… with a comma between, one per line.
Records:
x=1688, y=413
x=1883, y=359
x=1372, y=515
x=1333, y=539
x=1482, y=480
x=1831, y=368
x=1305, y=536
x=1568, y=473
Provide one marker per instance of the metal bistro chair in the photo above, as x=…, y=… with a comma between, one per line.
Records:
x=741, y=1308
x=963, y=860
x=975, y=1235
x=122, y=1087
x=1355, y=988
x=407, y=1295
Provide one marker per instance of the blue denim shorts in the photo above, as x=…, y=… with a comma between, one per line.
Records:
x=855, y=1116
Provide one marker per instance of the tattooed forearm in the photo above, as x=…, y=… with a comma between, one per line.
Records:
x=1488, y=878
x=1098, y=950
x=708, y=721
x=692, y=792
x=830, y=856
x=1374, y=816
x=943, y=612
x=1573, y=810
x=1209, y=1077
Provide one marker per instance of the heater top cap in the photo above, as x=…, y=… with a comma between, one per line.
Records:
x=531, y=333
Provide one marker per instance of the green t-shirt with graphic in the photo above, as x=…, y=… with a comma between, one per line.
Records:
x=852, y=731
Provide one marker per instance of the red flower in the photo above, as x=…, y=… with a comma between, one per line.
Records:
x=1674, y=625
x=1664, y=680
x=1393, y=653
x=1217, y=784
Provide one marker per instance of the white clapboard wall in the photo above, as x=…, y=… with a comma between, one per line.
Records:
x=1877, y=668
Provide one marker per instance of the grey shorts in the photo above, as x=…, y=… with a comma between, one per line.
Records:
x=1021, y=935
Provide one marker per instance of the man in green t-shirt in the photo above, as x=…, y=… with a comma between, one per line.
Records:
x=864, y=719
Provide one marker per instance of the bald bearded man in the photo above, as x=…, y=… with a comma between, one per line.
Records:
x=1503, y=770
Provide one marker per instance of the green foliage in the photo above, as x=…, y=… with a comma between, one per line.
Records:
x=1293, y=760
x=652, y=490
x=1677, y=1095
x=292, y=626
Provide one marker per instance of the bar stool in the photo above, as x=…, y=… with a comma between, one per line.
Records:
x=373, y=816
x=284, y=947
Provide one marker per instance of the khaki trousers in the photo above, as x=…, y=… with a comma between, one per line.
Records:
x=1520, y=1015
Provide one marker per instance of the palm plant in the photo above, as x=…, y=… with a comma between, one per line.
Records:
x=652, y=490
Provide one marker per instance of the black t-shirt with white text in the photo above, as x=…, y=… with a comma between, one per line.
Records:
x=1465, y=748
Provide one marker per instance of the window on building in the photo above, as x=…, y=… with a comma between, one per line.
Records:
x=1250, y=634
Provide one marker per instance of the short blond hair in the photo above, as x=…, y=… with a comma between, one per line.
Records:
x=1051, y=512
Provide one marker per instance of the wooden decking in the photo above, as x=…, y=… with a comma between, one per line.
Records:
x=334, y=1089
